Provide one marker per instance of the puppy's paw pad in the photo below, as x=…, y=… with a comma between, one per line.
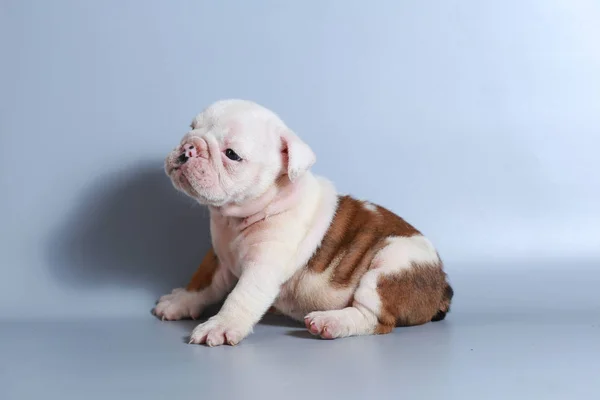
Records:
x=325, y=324
x=178, y=305
x=216, y=332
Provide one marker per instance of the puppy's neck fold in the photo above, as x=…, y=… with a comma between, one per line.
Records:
x=280, y=197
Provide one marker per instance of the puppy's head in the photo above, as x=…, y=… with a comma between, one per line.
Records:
x=235, y=152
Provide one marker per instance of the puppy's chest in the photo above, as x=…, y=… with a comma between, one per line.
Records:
x=237, y=244
x=226, y=244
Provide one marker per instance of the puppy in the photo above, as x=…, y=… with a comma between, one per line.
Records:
x=284, y=237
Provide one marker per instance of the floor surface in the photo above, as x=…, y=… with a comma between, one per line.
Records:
x=480, y=357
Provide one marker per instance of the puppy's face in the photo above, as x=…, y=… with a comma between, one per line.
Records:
x=234, y=153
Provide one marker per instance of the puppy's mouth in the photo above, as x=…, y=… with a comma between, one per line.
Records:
x=172, y=168
x=178, y=176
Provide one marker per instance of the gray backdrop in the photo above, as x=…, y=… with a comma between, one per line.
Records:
x=477, y=121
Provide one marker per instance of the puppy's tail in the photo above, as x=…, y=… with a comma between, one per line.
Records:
x=445, y=305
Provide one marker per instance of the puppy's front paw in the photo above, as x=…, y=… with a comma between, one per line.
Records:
x=178, y=305
x=216, y=331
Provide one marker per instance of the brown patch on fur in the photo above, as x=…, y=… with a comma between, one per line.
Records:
x=203, y=276
x=355, y=235
x=413, y=297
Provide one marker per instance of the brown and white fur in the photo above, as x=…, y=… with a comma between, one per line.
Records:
x=284, y=238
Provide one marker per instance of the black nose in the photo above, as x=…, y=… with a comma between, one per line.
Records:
x=182, y=158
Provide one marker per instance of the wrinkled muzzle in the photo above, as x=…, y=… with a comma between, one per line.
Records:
x=191, y=171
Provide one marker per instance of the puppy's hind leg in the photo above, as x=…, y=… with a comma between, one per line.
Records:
x=362, y=318
x=405, y=286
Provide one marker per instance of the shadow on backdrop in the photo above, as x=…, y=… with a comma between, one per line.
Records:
x=131, y=228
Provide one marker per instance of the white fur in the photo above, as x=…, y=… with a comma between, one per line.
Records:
x=401, y=252
x=318, y=220
x=369, y=206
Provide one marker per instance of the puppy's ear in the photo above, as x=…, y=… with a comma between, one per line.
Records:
x=298, y=154
x=197, y=121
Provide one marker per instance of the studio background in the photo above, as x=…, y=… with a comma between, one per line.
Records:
x=476, y=121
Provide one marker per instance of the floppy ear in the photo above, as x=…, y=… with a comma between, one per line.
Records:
x=300, y=156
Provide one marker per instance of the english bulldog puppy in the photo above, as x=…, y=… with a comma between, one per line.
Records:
x=285, y=238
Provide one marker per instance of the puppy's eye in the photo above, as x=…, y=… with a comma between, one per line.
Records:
x=232, y=155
